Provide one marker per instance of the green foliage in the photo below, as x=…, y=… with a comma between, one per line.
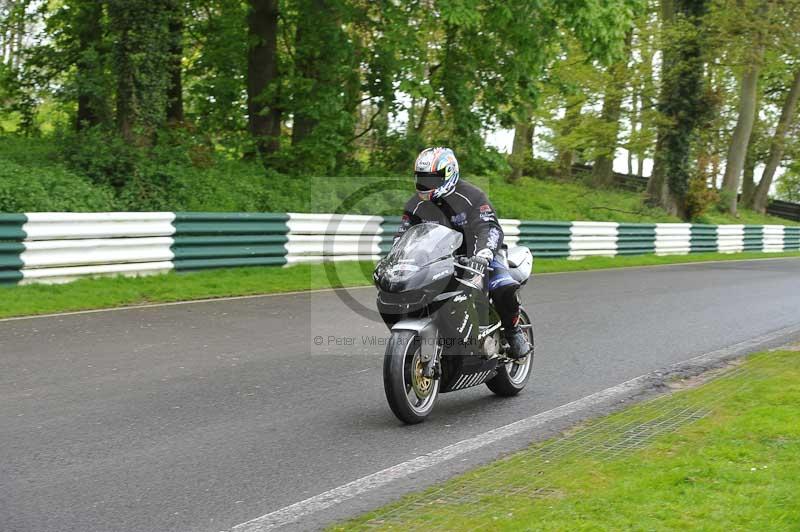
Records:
x=178, y=171
x=215, y=69
x=682, y=104
x=699, y=197
x=788, y=187
x=140, y=36
x=170, y=176
x=17, y=99
x=362, y=86
x=27, y=189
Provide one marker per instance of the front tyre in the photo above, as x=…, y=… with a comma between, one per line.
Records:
x=410, y=394
x=512, y=377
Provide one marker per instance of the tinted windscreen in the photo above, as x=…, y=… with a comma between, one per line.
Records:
x=425, y=243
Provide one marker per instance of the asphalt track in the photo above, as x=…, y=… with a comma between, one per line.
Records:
x=202, y=416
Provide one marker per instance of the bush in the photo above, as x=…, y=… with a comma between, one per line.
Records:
x=699, y=197
x=176, y=171
x=26, y=189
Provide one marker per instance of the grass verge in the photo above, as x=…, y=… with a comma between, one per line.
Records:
x=108, y=292
x=730, y=462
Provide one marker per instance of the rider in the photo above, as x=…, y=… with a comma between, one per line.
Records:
x=444, y=199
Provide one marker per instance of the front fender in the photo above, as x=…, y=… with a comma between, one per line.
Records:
x=427, y=332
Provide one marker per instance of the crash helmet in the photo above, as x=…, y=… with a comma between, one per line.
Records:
x=436, y=173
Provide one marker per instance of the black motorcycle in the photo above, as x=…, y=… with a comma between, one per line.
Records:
x=446, y=335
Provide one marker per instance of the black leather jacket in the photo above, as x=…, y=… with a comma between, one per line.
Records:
x=466, y=209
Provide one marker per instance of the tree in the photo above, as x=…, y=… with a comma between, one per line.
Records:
x=603, y=171
x=741, y=134
x=88, y=26
x=175, y=65
x=216, y=42
x=680, y=103
x=13, y=27
x=776, y=148
x=263, y=111
x=324, y=85
x=789, y=183
x=748, y=98
x=522, y=147
x=140, y=31
x=642, y=85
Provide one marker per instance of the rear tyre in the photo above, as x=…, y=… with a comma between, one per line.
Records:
x=410, y=394
x=512, y=377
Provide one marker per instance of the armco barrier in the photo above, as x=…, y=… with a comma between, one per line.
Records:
x=318, y=237
x=546, y=239
x=636, y=239
x=224, y=240
x=59, y=247
x=11, y=247
x=593, y=238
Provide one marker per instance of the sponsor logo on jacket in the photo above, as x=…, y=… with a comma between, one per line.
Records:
x=459, y=220
x=486, y=213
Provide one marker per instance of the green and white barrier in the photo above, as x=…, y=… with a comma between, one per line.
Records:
x=204, y=240
x=318, y=237
x=60, y=247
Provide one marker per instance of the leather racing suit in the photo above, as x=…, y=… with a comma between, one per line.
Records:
x=468, y=211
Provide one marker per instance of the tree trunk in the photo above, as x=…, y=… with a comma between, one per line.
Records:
x=657, y=190
x=748, y=182
x=263, y=113
x=87, y=26
x=140, y=43
x=126, y=105
x=522, y=148
x=423, y=117
x=175, y=89
x=681, y=102
x=20, y=32
x=646, y=103
x=603, y=169
x=308, y=57
x=777, y=146
x=748, y=95
x=572, y=116
x=634, y=119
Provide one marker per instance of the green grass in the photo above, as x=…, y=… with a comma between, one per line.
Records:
x=540, y=199
x=108, y=292
x=736, y=469
x=603, y=263
x=223, y=183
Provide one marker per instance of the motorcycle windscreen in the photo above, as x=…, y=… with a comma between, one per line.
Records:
x=423, y=244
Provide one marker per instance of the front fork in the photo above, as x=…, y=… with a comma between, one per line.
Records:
x=431, y=360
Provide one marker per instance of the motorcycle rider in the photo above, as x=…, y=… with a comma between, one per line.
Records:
x=444, y=199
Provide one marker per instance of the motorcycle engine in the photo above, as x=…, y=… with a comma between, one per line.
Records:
x=491, y=346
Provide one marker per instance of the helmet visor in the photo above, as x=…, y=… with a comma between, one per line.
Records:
x=429, y=180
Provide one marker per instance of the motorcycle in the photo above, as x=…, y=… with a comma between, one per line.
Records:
x=445, y=334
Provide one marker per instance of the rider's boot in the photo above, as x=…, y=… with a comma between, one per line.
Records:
x=518, y=346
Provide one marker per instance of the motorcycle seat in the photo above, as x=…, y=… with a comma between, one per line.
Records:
x=520, y=263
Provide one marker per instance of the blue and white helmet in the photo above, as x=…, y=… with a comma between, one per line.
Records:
x=436, y=173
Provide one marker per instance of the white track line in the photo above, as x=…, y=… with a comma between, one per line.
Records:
x=299, y=292
x=298, y=510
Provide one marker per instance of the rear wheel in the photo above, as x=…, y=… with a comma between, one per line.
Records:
x=512, y=377
x=411, y=395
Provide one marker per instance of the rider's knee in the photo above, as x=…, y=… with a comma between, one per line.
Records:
x=506, y=292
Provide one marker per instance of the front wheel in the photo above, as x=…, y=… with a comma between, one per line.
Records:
x=512, y=377
x=411, y=395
